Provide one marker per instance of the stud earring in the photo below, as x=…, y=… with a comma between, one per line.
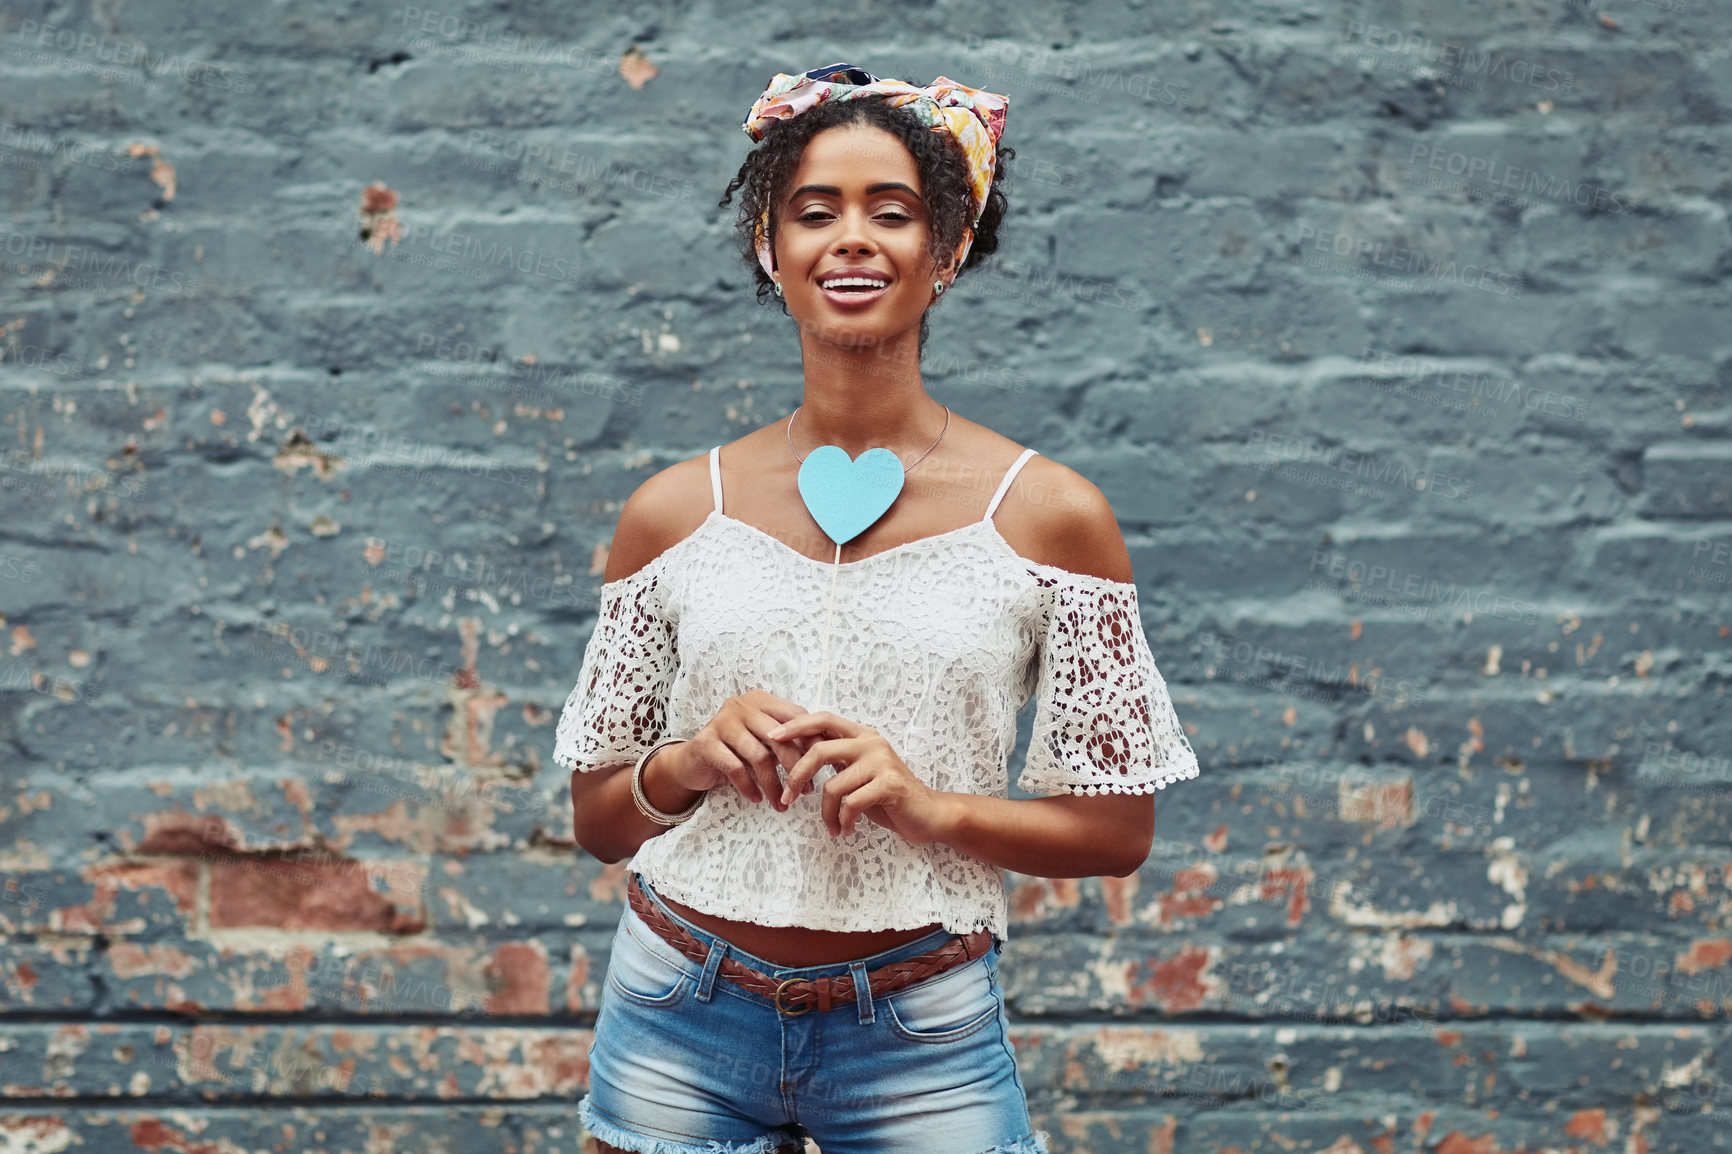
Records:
x=938, y=287
x=778, y=288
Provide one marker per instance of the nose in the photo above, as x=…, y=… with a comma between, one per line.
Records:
x=853, y=236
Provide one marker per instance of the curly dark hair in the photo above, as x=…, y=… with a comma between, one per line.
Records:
x=769, y=168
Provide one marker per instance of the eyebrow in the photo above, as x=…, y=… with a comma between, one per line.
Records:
x=871, y=189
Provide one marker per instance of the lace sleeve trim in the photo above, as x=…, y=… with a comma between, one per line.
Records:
x=1104, y=722
x=618, y=708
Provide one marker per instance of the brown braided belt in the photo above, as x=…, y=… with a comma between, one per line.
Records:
x=796, y=996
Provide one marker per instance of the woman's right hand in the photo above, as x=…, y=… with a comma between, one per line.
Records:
x=732, y=748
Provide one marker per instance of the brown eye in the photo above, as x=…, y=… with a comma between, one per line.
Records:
x=820, y=214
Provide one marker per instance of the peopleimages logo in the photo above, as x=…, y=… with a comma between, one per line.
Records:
x=48, y=360
x=469, y=254
x=1501, y=176
x=1438, y=270
x=1371, y=575
x=1280, y=449
x=1461, y=60
x=1467, y=389
x=109, y=50
x=34, y=143
x=36, y=256
x=434, y=571
x=1290, y=672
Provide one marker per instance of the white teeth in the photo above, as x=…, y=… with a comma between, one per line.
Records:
x=864, y=282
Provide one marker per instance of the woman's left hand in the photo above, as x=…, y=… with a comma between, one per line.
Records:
x=871, y=781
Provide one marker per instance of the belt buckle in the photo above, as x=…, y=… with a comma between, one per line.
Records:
x=778, y=998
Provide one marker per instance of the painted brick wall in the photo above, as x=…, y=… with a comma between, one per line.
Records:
x=1397, y=333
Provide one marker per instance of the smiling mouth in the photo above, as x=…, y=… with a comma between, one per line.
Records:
x=855, y=293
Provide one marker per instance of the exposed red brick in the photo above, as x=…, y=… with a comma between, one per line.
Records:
x=282, y=893
x=128, y=960
x=177, y=831
x=1296, y=882
x=1030, y=898
x=1589, y=1124
x=1388, y=804
x=1187, y=899
x=1117, y=892
x=579, y=977
x=609, y=885
x=1704, y=954
x=149, y=1134
x=1173, y=983
x=290, y=997
x=1455, y=1142
x=517, y=974
x=1194, y=878
x=39, y=1133
x=562, y=1061
x=178, y=879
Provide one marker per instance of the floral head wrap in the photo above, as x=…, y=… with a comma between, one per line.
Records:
x=974, y=118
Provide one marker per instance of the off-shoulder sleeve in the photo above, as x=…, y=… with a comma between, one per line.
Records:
x=1103, y=721
x=619, y=707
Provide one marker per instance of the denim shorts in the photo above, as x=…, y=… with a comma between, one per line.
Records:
x=685, y=1061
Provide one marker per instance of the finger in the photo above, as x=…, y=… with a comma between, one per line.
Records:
x=787, y=757
x=837, y=751
x=786, y=751
x=782, y=709
x=740, y=777
x=858, y=804
x=822, y=722
x=789, y=754
x=767, y=758
x=836, y=789
x=761, y=765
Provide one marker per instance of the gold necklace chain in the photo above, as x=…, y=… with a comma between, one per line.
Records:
x=917, y=460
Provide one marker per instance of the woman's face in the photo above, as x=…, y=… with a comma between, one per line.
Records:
x=855, y=203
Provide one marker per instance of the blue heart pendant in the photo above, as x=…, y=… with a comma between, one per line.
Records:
x=846, y=497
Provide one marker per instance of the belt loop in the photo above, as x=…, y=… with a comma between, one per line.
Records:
x=862, y=992
x=712, y=963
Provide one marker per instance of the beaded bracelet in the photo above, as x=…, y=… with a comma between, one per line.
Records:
x=642, y=799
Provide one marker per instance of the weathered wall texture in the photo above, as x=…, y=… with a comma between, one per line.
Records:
x=1396, y=333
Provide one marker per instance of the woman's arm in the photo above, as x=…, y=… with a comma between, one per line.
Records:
x=605, y=819
x=1065, y=836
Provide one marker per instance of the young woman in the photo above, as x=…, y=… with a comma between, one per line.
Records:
x=803, y=746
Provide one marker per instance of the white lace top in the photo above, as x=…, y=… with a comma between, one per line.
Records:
x=937, y=644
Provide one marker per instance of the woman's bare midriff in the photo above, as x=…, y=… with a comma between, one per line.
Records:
x=796, y=945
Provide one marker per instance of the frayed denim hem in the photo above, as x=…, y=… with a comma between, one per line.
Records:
x=1033, y=1144
x=613, y=1135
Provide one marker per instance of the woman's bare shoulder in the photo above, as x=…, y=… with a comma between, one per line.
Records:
x=1055, y=516
x=663, y=511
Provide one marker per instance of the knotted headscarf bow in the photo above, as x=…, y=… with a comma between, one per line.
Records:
x=974, y=118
